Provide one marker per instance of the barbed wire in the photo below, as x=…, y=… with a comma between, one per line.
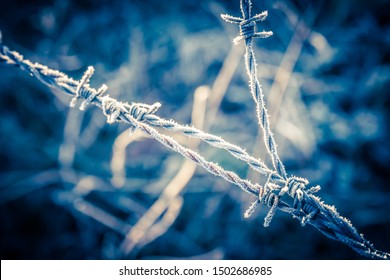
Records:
x=247, y=32
x=309, y=208
x=306, y=207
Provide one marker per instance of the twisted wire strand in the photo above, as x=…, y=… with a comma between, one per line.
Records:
x=247, y=32
x=309, y=209
x=329, y=222
x=214, y=141
x=211, y=167
x=247, y=26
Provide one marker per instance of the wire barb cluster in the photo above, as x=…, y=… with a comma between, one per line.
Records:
x=248, y=26
x=90, y=94
x=306, y=207
x=113, y=109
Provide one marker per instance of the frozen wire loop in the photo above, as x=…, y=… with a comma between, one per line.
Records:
x=113, y=109
x=139, y=110
x=93, y=94
x=83, y=82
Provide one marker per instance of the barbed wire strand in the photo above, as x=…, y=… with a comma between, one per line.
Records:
x=247, y=26
x=306, y=207
x=247, y=33
x=323, y=217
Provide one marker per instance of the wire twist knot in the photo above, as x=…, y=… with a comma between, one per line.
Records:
x=267, y=197
x=83, y=90
x=81, y=85
x=112, y=109
x=140, y=110
x=248, y=26
x=295, y=187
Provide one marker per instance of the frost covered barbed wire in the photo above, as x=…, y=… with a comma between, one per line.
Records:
x=306, y=207
x=304, y=202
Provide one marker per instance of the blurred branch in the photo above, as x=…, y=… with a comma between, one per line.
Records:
x=100, y=215
x=221, y=84
x=119, y=156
